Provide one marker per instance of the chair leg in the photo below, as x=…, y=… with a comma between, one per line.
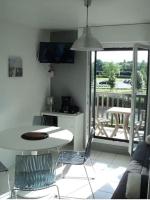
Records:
x=58, y=149
x=65, y=170
x=57, y=190
x=92, y=168
x=8, y=181
x=89, y=181
x=67, y=167
x=14, y=193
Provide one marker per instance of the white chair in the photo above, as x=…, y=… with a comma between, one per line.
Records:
x=137, y=127
x=3, y=168
x=33, y=173
x=70, y=157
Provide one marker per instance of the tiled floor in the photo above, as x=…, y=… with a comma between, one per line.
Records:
x=108, y=167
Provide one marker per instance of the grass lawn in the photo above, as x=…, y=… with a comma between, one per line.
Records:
x=118, y=80
x=106, y=88
x=116, y=91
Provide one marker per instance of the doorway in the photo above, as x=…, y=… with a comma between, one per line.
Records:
x=112, y=87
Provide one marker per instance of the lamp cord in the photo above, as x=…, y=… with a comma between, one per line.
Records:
x=87, y=3
x=87, y=15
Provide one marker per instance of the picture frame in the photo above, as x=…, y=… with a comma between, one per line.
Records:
x=15, y=66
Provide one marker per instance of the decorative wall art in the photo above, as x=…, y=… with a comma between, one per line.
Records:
x=15, y=68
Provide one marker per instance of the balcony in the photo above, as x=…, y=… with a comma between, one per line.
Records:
x=105, y=128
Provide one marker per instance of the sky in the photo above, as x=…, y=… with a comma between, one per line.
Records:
x=120, y=56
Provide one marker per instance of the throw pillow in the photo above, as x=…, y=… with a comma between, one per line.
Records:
x=133, y=187
x=147, y=139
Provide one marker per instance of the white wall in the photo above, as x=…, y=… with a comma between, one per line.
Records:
x=70, y=80
x=121, y=35
x=21, y=97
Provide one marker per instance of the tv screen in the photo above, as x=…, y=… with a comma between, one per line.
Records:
x=55, y=52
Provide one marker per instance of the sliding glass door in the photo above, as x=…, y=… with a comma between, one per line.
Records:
x=113, y=88
x=92, y=89
x=140, y=96
x=120, y=81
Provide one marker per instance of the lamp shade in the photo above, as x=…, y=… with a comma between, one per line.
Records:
x=87, y=42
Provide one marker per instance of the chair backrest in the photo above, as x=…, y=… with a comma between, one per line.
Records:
x=33, y=172
x=37, y=120
x=89, y=143
x=137, y=126
x=3, y=168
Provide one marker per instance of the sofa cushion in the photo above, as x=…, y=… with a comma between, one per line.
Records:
x=147, y=139
x=136, y=167
x=142, y=154
x=120, y=191
x=140, y=165
x=133, y=187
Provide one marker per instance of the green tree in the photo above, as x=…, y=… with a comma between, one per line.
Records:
x=99, y=65
x=112, y=81
x=140, y=82
x=124, y=65
x=143, y=70
x=111, y=70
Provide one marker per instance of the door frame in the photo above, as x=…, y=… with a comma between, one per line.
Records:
x=135, y=56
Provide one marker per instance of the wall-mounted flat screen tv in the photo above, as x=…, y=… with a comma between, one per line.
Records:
x=55, y=52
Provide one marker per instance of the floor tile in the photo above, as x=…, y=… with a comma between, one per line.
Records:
x=108, y=167
x=120, y=160
x=108, y=170
x=105, y=157
x=102, y=195
x=74, y=188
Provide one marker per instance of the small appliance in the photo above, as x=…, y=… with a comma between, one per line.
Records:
x=67, y=105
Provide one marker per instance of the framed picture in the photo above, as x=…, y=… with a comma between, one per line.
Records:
x=15, y=68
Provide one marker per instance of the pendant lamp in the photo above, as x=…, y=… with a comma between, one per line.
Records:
x=87, y=42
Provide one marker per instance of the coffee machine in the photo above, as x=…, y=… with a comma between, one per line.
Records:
x=67, y=105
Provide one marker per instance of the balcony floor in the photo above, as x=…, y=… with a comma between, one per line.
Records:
x=119, y=135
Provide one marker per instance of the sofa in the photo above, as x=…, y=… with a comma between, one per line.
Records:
x=139, y=166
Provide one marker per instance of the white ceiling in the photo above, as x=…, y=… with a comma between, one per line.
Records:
x=70, y=14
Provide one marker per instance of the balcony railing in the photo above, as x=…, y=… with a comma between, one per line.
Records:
x=107, y=100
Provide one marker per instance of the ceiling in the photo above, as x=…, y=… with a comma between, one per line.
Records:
x=70, y=14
